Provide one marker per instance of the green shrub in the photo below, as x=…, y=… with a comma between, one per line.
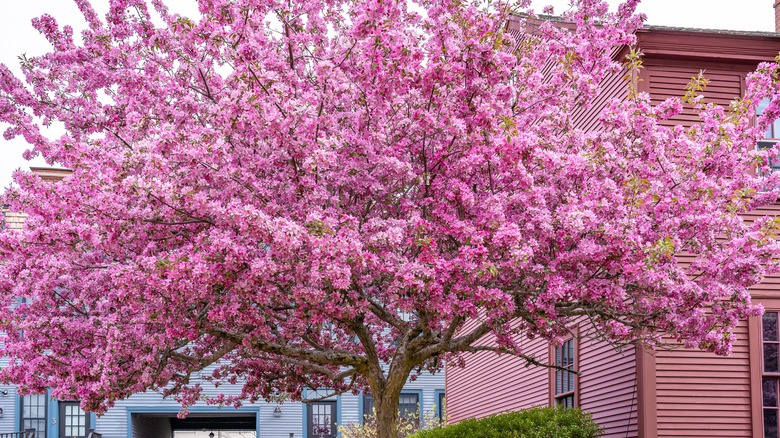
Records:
x=531, y=423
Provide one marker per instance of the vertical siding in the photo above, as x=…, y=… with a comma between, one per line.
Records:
x=700, y=394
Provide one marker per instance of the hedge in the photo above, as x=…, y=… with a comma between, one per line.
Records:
x=530, y=423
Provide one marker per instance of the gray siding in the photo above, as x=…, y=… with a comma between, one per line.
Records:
x=114, y=423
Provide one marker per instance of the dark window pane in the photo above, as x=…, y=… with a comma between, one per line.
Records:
x=769, y=325
x=770, y=423
x=566, y=402
x=564, y=357
x=368, y=406
x=770, y=358
x=409, y=408
x=407, y=405
x=770, y=391
x=442, y=411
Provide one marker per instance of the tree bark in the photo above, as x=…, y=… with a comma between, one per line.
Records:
x=387, y=415
x=386, y=392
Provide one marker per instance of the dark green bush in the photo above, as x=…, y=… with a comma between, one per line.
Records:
x=531, y=423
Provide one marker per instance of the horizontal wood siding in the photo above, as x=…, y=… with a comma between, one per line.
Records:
x=770, y=287
x=613, y=87
x=665, y=81
x=608, y=387
x=489, y=384
x=700, y=394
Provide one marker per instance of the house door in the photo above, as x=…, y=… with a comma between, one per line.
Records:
x=74, y=422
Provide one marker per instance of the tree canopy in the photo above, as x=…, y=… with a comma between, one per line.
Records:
x=338, y=193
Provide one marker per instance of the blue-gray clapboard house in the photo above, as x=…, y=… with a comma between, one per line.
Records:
x=148, y=415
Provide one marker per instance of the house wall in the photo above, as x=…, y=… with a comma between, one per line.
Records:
x=115, y=423
x=699, y=394
x=490, y=384
x=681, y=393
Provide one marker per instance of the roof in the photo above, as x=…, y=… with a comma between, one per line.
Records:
x=652, y=27
x=745, y=33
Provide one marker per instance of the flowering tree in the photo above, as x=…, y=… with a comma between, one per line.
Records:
x=341, y=193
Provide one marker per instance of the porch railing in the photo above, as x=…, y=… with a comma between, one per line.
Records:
x=30, y=433
x=27, y=433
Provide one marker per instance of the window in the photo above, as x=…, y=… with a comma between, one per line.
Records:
x=564, y=388
x=74, y=422
x=441, y=406
x=368, y=406
x=408, y=407
x=772, y=134
x=770, y=371
x=322, y=419
x=33, y=413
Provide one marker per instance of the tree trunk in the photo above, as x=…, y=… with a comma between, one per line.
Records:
x=387, y=414
x=386, y=392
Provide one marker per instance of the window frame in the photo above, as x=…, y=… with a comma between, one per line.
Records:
x=333, y=419
x=364, y=414
x=45, y=419
x=763, y=374
x=62, y=406
x=440, y=398
x=771, y=136
x=553, y=397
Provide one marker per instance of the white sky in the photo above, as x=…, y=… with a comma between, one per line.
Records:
x=18, y=36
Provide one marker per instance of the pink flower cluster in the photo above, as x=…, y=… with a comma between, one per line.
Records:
x=294, y=192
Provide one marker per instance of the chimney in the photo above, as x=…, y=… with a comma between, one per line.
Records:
x=777, y=15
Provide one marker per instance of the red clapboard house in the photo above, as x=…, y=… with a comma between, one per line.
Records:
x=679, y=393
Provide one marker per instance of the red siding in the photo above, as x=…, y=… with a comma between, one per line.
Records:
x=614, y=87
x=608, y=387
x=687, y=393
x=665, y=81
x=770, y=287
x=703, y=395
x=491, y=384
